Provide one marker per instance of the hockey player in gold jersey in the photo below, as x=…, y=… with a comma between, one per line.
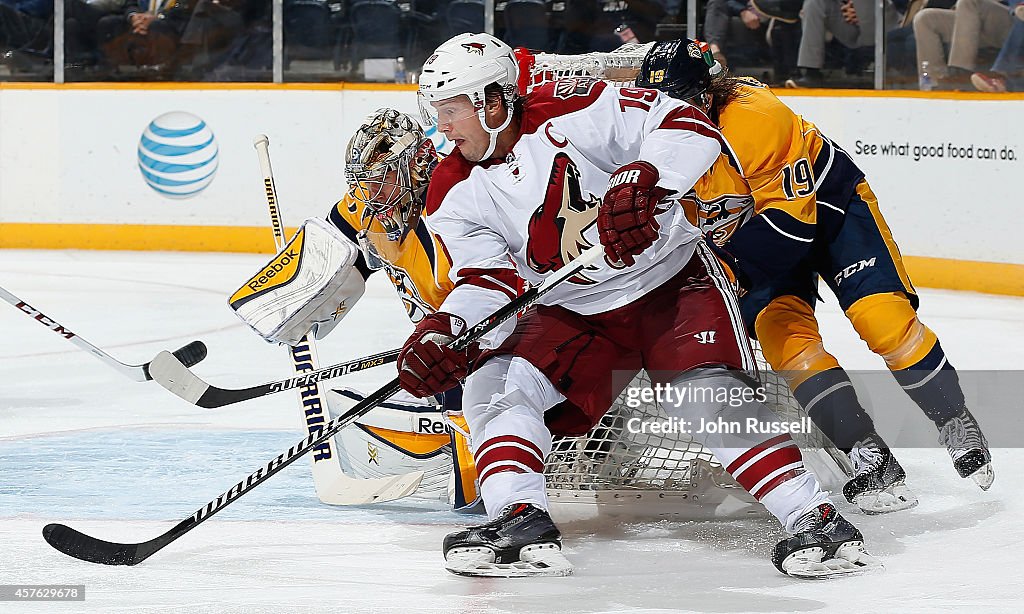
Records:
x=793, y=206
x=388, y=163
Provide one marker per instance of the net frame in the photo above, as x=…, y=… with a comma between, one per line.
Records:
x=619, y=67
x=612, y=471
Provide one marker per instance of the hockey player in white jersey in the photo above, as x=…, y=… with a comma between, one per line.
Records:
x=532, y=183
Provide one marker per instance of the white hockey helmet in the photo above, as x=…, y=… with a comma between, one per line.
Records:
x=388, y=163
x=465, y=65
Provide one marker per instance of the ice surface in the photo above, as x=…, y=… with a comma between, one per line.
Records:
x=82, y=445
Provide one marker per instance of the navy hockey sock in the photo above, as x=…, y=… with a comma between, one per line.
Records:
x=831, y=400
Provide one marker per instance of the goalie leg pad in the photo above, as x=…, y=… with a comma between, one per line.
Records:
x=402, y=437
x=310, y=285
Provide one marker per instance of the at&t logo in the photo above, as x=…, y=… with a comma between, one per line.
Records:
x=178, y=155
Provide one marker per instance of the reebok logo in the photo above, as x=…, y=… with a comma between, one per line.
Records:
x=629, y=176
x=272, y=270
x=705, y=337
x=431, y=426
x=853, y=268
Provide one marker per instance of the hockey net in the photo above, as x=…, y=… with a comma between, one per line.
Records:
x=619, y=67
x=614, y=470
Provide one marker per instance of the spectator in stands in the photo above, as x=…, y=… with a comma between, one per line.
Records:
x=81, y=18
x=966, y=28
x=24, y=25
x=214, y=28
x=1007, y=72
x=900, y=45
x=590, y=25
x=775, y=22
x=716, y=23
x=851, y=22
x=146, y=35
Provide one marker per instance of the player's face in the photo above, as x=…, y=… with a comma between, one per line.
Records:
x=457, y=119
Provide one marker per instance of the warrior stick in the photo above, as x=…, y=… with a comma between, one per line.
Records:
x=87, y=548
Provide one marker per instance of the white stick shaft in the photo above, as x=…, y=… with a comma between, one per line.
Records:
x=134, y=372
x=262, y=145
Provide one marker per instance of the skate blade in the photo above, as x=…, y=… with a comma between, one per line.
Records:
x=984, y=476
x=850, y=559
x=535, y=560
x=892, y=499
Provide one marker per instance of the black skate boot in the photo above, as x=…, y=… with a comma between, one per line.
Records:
x=878, y=485
x=521, y=541
x=824, y=544
x=968, y=448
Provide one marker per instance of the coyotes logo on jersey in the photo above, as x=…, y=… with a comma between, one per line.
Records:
x=557, y=226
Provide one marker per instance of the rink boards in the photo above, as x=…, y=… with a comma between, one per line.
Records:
x=172, y=167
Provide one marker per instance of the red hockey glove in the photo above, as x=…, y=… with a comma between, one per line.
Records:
x=426, y=366
x=625, y=220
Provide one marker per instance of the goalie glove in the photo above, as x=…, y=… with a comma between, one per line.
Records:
x=625, y=220
x=309, y=286
x=426, y=365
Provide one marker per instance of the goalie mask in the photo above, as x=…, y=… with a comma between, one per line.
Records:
x=681, y=68
x=388, y=163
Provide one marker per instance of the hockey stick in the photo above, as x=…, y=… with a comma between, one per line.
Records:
x=87, y=548
x=173, y=375
x=331, y=484
x=189, y=354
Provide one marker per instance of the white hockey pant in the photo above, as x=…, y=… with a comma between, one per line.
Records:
x=787, y=500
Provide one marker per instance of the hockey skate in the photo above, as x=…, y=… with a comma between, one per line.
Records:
x=968, y=448
x=824, y=545
x=522, y=541
x=878, y=484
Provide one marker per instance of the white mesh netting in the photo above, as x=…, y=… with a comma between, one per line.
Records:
x=657, y=472
x=618, y=67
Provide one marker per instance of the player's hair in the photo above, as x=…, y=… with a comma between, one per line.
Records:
x=723, y=89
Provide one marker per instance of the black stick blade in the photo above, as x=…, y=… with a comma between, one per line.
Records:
x=81, y=546
x=191, y=354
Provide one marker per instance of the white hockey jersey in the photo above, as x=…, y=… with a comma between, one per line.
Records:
x=537, y=210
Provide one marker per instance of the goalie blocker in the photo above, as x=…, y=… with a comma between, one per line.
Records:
x=308, y=287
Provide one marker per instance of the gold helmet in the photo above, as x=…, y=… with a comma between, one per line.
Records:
x=388, y=163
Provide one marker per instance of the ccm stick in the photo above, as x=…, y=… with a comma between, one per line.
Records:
x=87, y=548
x=189, y=355
x=332, y=485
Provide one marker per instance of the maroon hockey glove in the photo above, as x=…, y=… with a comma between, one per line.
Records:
x=426, y=366
x=625, y=220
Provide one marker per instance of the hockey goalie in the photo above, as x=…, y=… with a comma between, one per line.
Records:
x=406, y=447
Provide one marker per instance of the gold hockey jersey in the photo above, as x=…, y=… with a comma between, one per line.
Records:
x=777, y=169
x=419, y=276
